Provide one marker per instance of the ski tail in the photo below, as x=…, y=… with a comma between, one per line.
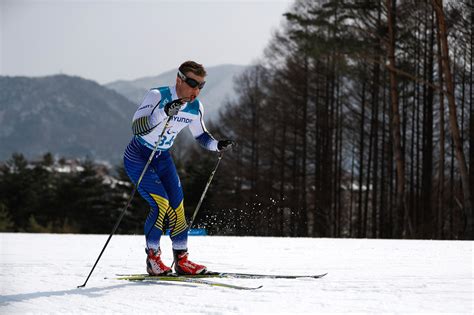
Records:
x=181, y=279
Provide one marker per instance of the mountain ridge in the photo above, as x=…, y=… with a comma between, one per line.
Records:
x=72, y=117
x=65, y=115
x=219, y=86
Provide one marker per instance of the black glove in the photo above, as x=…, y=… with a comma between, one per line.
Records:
x=172, y=108
x=224, y=145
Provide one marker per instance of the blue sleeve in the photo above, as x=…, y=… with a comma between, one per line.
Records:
x=206, y=141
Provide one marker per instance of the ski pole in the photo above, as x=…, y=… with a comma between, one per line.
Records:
x=204, y=193
x=129, y=199
x=205, y=189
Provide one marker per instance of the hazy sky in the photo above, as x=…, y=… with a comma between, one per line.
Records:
x=106, y=40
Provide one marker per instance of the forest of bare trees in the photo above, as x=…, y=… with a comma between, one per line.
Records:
x=357, y=122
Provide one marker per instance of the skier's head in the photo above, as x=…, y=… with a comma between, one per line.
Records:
x=190, y=80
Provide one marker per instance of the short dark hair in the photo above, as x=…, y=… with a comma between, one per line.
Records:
x=194, y=67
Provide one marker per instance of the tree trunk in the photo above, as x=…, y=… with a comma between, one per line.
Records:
x=384, y=190
x=442, y=147
x=399, y=158
x=427, y=166
x=471, y=111
x=361, y=163
x=438, y=5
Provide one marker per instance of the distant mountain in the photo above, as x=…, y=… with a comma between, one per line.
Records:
x=219, y=87
x=74, y=117
x=68, y=116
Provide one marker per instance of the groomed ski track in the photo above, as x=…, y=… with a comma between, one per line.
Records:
x=39, y=273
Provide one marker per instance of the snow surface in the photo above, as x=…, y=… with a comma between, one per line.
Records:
x=40, y=273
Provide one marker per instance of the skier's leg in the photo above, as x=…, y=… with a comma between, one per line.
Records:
x=177, y=220
x=154, y=193
x=176, y=217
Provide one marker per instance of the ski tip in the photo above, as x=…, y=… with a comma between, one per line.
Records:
x=247, y=288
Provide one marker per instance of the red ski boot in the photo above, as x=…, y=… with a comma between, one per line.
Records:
x=183, y=266
x=154, y=265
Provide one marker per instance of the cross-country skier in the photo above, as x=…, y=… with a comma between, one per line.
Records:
x=161, y=186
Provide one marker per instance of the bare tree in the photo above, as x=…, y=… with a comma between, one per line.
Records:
x=398, y=152
x=454, y=128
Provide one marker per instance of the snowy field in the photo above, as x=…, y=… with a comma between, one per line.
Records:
x=40, y=273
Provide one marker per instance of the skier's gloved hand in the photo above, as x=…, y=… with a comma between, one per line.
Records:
x=172, y=108
x=224, y=145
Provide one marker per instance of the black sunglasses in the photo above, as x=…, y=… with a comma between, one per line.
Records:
x=191, y=82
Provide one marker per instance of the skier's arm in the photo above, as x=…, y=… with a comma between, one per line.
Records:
x=149, y=114
x=200, y=133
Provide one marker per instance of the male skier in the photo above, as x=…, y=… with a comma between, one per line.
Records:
x=160, y=185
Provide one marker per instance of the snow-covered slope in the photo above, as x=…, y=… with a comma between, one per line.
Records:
x=39, y=274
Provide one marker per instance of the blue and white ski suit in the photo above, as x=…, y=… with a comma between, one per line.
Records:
x=160, y=185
